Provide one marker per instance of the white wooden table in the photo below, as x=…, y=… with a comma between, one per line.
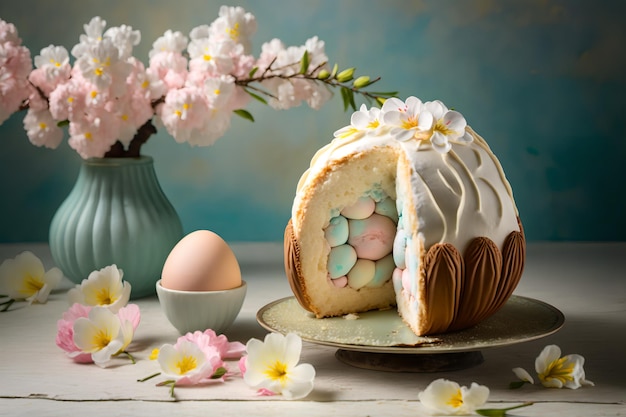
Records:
x=586, y=281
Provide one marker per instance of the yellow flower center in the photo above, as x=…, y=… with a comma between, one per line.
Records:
x=233, y=32
x=456, y=400
x=42, y=126
x=440, y=126
x=88, y=136
x=31, y=284
x=125, y=117
x=207, y=57
x=145, y=84
x=98, y=71
x=55, y=63
x=373, y=125
x=154, y=355
x=186, y=364
x=558, y=370
x=101, y=339
x=104, y=297
x=410, y=123
x=277, y=372
x=217, y=91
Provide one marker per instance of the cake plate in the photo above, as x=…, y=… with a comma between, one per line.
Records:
x=380, y=340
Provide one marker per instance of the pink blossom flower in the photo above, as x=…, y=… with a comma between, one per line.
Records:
x=170, y=68
x=184, y=113
x=42, y=129
x=94, y=135
x=209, y=339
x=15, y=65
x=234, y=23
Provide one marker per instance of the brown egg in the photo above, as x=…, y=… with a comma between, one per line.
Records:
x=201, y=261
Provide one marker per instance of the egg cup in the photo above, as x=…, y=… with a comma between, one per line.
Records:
x=189, y=311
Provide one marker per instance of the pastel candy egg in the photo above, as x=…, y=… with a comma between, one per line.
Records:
x=399, y=248
x=387, y=207
x=361, y=209
x=362, y=273
x=341, y=259
x=372, y=238
x=384, y=269
x=337, y=231
x=396, y=279
x=340, y=282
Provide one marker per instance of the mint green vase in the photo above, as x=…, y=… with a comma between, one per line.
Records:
x=115, y=214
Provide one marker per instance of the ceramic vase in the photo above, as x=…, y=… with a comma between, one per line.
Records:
x=116, y=214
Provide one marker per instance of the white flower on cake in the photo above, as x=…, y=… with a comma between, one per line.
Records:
x=103, y=288
x=407, y=120
x=24, y=278
x=449, y=126
x=364, y=120
x=410, y=120
x=446, y=397
x=103, y=334
x=272, y=365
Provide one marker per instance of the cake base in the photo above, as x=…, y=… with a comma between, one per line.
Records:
x=392, y=362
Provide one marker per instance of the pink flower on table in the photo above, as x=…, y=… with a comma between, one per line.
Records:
x=186, y=363
x=65, y=333
x=42, y=129
x=209, y=339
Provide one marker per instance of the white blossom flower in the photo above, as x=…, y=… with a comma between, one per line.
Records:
x=124, y=38
x=24, y=278
x=92, y=35
x=363, y=121
x=103, y=288
x=446, y=397
x=555, y=371
x=169, y=42
x=449, y=126
x=187, y=363
x=103, y=334
x=101, y=66
x=42, y=129
x=55, y=61
x=236, y=24
x=407, y=120
x=273, y=365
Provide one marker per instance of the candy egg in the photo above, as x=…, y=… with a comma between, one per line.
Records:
x=361, y=209
x=201, y=261
x=372, y=238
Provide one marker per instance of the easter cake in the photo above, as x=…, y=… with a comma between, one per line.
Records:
x=406, y=208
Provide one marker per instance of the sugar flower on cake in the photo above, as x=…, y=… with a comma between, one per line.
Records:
x=555, y=371
x=95, y=334
x=272, y=366
x=449, y=126
x=363, y=121
x=407, y=120
x=104, y=288
x=445, y=397
x=111, y=103
x=25, y=278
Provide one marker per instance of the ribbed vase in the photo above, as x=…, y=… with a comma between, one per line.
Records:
x=115, y=214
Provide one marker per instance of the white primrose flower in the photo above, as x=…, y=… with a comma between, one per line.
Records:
x=449, y=126
x=103, y=288
x=444, y=397
x=186, y=363
x=555, y=371
x=272, y=365
x=362, y=121
x=523, y=375
x=24, y=278
x=407, y=120
x=103, y=334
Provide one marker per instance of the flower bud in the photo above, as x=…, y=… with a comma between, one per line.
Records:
x=345, y=75
x=362, y=81
x=323, y=75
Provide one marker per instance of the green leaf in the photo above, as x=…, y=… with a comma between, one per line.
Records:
x=244, y=114
x=304, y=62
x=256, y=96
x=384, y=93
x=517, y=384
x=348, y=98
x=63, y=123
x=252, y=72
x=219, y=372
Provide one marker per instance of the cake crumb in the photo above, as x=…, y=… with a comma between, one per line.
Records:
x=351, y=316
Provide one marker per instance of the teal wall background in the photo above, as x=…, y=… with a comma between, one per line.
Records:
x=543, y=81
